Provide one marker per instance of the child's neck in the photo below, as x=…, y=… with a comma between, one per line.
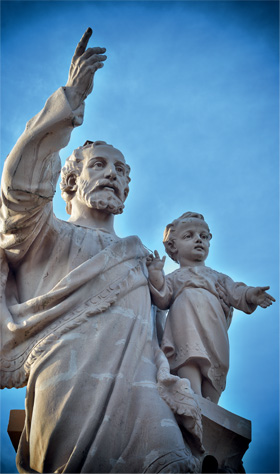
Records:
x=184, y=262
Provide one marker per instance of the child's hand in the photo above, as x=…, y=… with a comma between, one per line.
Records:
x=259, y=296
x=155, y=269
x=154, y=262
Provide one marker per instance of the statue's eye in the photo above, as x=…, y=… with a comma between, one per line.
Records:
x=98, y=164
x=120, y=170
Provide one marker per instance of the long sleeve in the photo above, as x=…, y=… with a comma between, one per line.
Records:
x=31, y=172
x=236, y=292
x=163, y=298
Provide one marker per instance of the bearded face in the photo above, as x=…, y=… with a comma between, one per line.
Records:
x=102, y=196
x=103, y=182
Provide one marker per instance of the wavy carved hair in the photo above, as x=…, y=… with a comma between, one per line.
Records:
x=74, y=165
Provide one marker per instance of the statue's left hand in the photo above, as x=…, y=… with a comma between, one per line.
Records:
x=84, y=65
x=259, y=296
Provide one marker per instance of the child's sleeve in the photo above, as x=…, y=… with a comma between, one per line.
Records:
x=163, y=298
x=237, y=294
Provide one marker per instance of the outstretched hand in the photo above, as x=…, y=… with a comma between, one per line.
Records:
x=259, y=296
x=84, y=65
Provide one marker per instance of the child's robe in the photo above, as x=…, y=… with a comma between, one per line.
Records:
x=196, y=326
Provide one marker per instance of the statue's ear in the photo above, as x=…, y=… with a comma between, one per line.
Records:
x=71, y=183
x=173, y=250
x=172, y=246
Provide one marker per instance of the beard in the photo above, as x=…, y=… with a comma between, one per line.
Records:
x=101, y=199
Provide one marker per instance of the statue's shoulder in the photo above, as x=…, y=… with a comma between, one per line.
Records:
x=215, y=273
x=135, y=241
x=177, y=273
x=63, y=227
x=70, y=227
x=70, y=232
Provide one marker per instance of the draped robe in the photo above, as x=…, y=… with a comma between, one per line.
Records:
x=77, y=329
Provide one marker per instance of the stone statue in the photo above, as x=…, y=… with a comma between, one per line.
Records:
x=195, y=338
x=76, y=319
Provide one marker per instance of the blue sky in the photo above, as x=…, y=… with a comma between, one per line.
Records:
x=190, y=95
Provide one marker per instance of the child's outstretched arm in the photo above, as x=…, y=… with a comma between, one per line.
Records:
x=258, y=296
x=155, y=266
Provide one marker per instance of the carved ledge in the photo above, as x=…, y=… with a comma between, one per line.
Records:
x=15, y=426
x=226, y=438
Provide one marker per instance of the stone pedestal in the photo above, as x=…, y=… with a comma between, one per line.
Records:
x=15, y=426
x=226, y=437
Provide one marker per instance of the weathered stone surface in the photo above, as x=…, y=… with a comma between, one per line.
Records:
x=200, y=302
x=15, y=426
x=226, y=437
x=77, y=324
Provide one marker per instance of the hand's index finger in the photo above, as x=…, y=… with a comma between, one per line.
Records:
x=156, y=254
x=270, y=297
x=81, y=47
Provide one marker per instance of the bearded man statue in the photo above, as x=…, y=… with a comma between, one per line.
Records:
x=76, y=310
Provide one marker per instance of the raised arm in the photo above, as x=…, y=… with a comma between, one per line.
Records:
x=160, y=287
x=155, y=269
x=32, y=168
x=84, y=65
x=50, y=130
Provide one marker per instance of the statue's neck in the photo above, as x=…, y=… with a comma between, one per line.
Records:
x=94, y=219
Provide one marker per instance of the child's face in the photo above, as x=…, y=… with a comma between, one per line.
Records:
x=192, y=241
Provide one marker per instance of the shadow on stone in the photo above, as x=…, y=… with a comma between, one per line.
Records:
x=209, y=464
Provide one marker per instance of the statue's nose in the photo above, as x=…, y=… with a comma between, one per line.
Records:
x=110, y=172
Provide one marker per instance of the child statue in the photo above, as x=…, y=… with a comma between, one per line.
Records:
x=195, y=338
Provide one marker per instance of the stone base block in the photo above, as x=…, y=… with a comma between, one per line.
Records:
x=226, y=438
x=15, y=426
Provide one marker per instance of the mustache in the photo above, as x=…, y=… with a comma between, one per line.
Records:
x=105, y=183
